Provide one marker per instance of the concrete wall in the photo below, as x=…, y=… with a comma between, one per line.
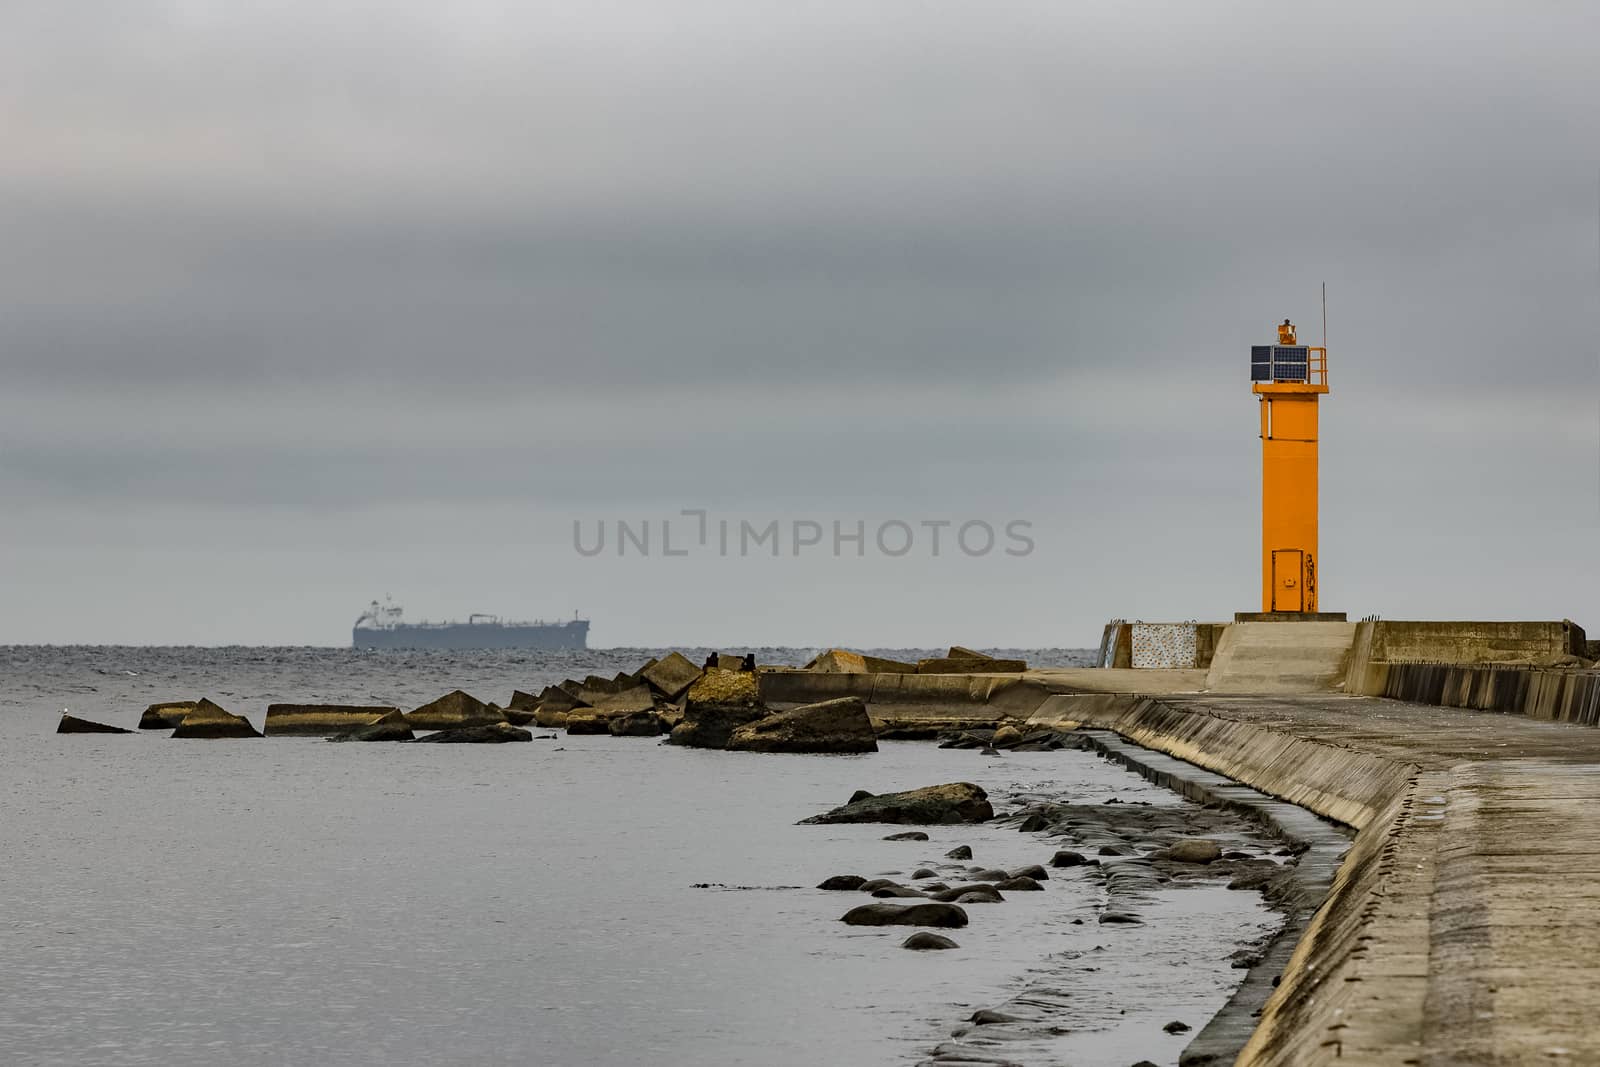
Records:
x=1381, y=643
x=1551, y=694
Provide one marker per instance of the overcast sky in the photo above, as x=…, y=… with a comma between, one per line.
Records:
x=306, y=303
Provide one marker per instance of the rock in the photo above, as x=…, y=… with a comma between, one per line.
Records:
x=454, y=709
x=391, y=727
x=991, y=876
x=552, y=718
x=165, y=716
x=1006, y=736
x=628, y=701
x=1176, y=1027
x=872, y=884
x=558, y=698
x=1021, y=883
x=922, y=941
x=969, y=894
x=843, y=881
x=926, y=914
x=1112, y=918
x=580, y=722
x=989, y=750
x=210, y=721
x=859, y=794
x=638, y=724
x=954, y=802
x=1033, y=824
x=320, y=720
x=711, y=726
x=960, y=852
x=521, y=701
x=833, y=726
x=514, y=716
x=1066, y=858
x=923, y=872
x=908, y=835
x=897, y=891
x=71, y=724
x=672, y=675
x=839, y=661
x=1117, y=850
x=492, y=733
x=990, y=1017
x=1033, y=870
x=724, y=688
x=1193, y=850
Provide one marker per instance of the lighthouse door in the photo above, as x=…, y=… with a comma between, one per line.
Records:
x=1288, y=584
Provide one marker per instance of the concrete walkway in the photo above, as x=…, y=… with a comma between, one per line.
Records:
x=1464, y=926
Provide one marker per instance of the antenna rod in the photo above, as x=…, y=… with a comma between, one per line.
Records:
x=1324, y=315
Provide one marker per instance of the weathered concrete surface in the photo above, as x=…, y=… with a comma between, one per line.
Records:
x=1464, y=925
x=1281, y=657
x=1378, y=644
x=319, y=720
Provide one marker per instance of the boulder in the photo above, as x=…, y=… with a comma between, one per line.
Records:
x=1006, y=736
x=488, y=734
x=320, y=720
x=990, y=1017
x=1177, y=1026
x=859, y=794
x=969, y=894
x=955, y=802
x=711, y=726
x=451, y=711
x=638, y=724
x=552, y=718
x=960, y=852
x=557, y=698
x=71, y=724
x=839, y=661
x=391, y=727
x=992, y=875
x=1033, y=870
x=908, y=835
x=628, y=701
x=927, y=914
x=924, y=872
x=1193, y=850
x=165, y=716
x=850, y=882
x=515, y=716
x=923, y=941
x=521, y=701
x=209, y=720
x=872, y=884
x=670, y=715
x=1020, y=883
x=672, y=675
x=898, y=891
x=724, y=689
x=584, y=723
x=833, y=726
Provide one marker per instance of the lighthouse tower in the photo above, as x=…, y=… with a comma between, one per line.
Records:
x=1288, y=379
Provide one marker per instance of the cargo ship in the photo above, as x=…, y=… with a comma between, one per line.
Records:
x=380, y=626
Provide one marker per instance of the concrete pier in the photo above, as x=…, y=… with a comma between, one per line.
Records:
x=1463, y=926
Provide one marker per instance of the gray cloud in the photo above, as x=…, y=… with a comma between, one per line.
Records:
x=322, y=272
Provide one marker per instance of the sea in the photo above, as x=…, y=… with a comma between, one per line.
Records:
x=584, y=901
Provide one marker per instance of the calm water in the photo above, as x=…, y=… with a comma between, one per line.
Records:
x=295, y=902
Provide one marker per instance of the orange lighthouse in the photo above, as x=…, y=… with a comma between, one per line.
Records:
x=1288, y=379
